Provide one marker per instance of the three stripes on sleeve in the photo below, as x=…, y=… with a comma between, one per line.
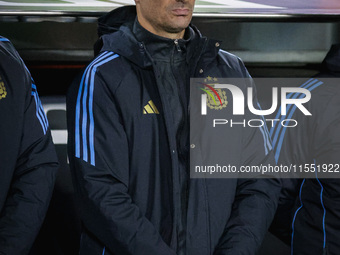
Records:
x=84, y=120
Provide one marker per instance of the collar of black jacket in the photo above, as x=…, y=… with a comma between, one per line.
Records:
x=116, y=34
x=161, y=48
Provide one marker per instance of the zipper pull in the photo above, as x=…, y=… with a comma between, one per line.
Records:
x=177, y=45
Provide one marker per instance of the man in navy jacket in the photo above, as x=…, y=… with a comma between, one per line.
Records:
x=28, y=159
x=129, y=148
x=309, y=209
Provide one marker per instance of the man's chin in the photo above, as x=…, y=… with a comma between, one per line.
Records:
x=177, y=28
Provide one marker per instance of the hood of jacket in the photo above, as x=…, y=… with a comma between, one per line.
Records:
x=331, y=63
x=115, y=31
x=115, y=34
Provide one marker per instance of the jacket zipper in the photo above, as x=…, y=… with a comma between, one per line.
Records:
x=177, y=45
x=180, y=130
x=179, y=213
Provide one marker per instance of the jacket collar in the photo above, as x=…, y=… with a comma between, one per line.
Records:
x=161, y=48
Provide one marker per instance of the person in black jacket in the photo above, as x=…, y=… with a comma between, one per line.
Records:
x=129, y=143
x=308, y=216
x=28, y=159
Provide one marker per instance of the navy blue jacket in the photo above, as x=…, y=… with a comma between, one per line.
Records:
x=125, y=163
x=28, y=162
x=309, y=209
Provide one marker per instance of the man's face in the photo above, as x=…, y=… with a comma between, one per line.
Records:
x=166, y=18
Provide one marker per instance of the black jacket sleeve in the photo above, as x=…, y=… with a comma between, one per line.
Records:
x=99, y=157
x=35, y=162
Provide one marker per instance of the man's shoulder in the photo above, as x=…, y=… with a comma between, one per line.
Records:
x=12, y=67
x=325, y=94
x=8, y=52
x=230, y=58
x=234, y=65
x=108, y=64
x=103, y=58
x=108, y=68
x=5, y=44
